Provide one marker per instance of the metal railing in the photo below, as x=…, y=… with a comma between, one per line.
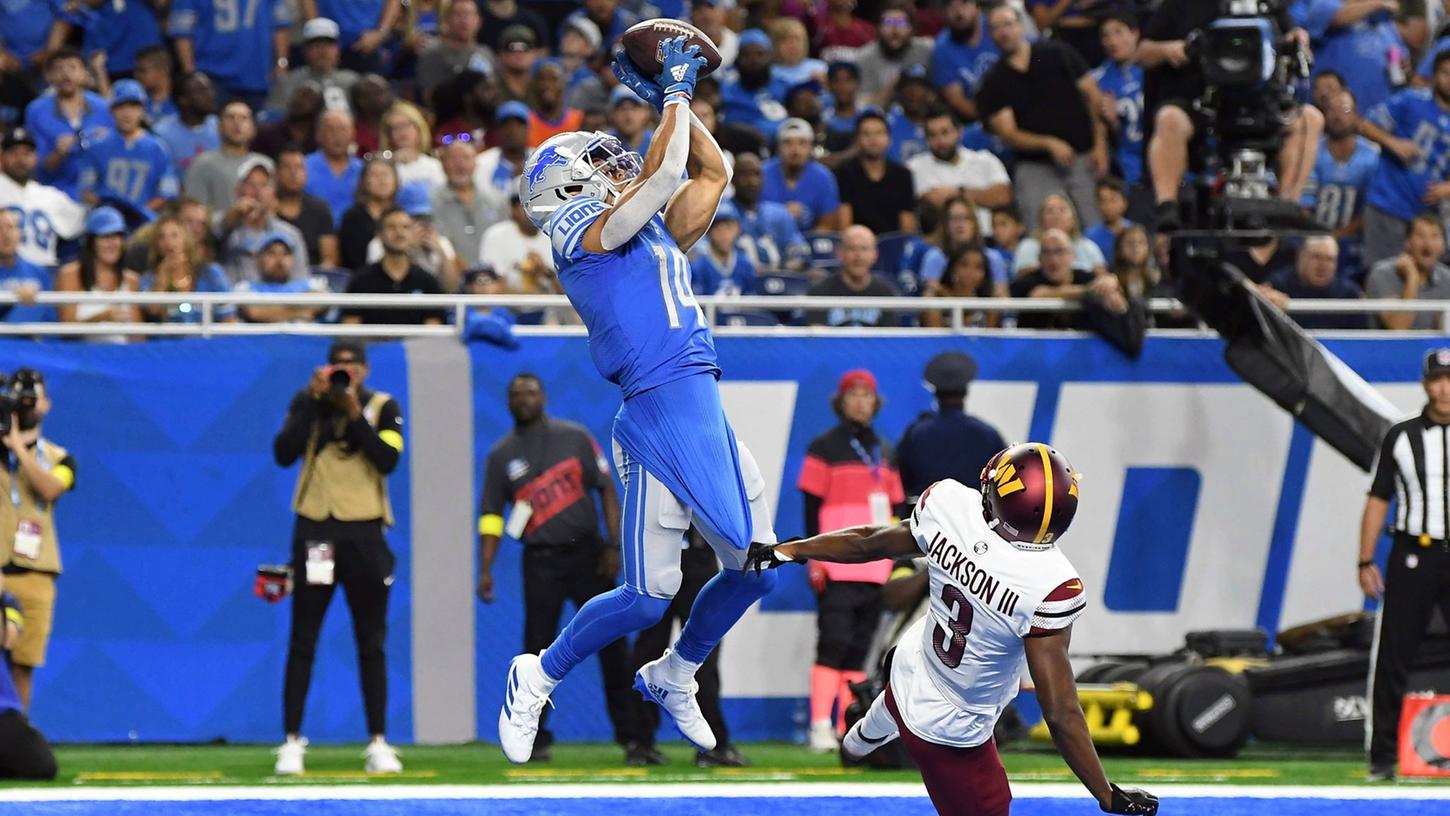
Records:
x=207, y=323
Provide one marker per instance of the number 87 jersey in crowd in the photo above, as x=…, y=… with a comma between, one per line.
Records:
x=958, y=667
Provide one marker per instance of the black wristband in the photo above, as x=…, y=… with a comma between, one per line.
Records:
x=1368, y=563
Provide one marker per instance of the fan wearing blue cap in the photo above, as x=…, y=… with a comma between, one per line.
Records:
x=755, y=96
x=717, y=266
x=274, y=277
x=100, y=268
x=499, y=167
x=251, y=219
x=431, y=251
x=130, y=165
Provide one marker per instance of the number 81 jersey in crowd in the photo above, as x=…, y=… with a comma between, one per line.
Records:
x=958, y=667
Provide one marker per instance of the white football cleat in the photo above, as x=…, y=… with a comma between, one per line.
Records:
x=822, y=739
x=654, y=685
x=856, y=745
x=525, y=696
x=289, y=757
x=382, y=758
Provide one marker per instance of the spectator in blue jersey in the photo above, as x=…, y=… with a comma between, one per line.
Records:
x=1314, y=278
x=631, y=119
x=24, y=753
x=792, y=62
x=1113, y=207
x=241, y=228
x=154, y=72
x=321, y=65
x=1339, y=185
x=242, y=46
x=177, y=263
x=768, y=232
x=20, y=276
x=1412, y=129
x=65, y=121
x=961, y=56
x=611, y=19
x=333, y=171
x=192, y=129
x=880, y=63
x=275, y=260
x=365, y=26
x=754, y=96
x=113, y=32
x=915, y=99
x=717, y=265
x=24, y=31
x=1361, y=42
x=1120, y=106
x=129, y=166
x=803, y=185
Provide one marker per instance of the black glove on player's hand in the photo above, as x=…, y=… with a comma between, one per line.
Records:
x=764, y=556
x=1132, y=800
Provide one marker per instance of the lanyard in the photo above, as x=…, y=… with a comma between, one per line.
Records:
x=873, y=459
x=15, y=471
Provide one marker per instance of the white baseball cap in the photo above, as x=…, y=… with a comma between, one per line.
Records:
x=320, y=28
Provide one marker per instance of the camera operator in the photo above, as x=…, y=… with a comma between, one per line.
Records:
x=24, y=753
x=37, y=473
x=349, y=439
x=1171, y=83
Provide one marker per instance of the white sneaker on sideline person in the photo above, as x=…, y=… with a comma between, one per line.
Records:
x=823, y=737
x=525, y=695
x=289, y=757
x=382, y=758
x=669, y=682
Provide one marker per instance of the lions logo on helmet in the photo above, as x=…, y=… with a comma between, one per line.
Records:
x=574, y=164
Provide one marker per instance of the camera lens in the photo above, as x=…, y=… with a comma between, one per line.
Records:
x=338, y=379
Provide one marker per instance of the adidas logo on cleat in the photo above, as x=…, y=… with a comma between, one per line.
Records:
x=658, y=693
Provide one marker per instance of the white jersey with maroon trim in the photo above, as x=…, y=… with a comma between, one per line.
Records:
x=956, y=669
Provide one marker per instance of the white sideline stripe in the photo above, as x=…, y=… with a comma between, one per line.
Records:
x=716, y=790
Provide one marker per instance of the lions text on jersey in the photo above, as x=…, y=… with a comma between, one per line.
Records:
x=958, y=667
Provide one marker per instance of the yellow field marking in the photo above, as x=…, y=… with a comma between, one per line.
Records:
x=788, y=771
x=1227, y=773
x=352, y=776
x=575, y=773
x=146, y=776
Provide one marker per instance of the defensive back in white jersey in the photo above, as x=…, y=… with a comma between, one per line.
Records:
x=958, y=667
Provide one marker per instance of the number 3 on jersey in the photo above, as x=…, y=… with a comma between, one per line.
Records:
x=675, y=271
x=950, y=649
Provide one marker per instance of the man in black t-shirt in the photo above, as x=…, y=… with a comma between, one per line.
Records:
x=876, y=192
x=395, y=274
x=1170, y=86
x=858, y=254
x=303, y=210
x=1039, y=99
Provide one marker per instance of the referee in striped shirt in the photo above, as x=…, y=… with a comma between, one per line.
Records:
x=1413, y=469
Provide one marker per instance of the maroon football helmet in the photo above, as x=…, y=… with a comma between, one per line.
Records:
x=1029, y=494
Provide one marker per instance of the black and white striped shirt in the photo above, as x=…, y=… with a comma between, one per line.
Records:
x=1413, y=468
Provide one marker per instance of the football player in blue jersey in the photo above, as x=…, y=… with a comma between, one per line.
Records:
x=1412, y=129
x=620, y=226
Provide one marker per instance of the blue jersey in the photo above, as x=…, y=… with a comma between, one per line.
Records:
x=1427, y=65
x=134, y=172
x=1124, y=84
x=336, y=189
x=25, y=274
x=962, y=64
x=645, y=329
x=156, y=110
x=232, y=39
x=762, y=109
x=45, y=122
x=186, y=143
x=1336, y=190
x=711, y=276
x=352, y=16
x=907, y=137
x=769, y=235
x=25, y=26
x=119, y=29
x=1360, y=52
x=1398, y=188
x=815, y=191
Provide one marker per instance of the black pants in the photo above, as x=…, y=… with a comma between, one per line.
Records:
x=553, y=575
x=848, y=613
x=364, y=570
x=1411, y=593
x=698, y=565
x=24, y=753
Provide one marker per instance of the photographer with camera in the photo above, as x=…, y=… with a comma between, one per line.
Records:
x=349, y=439
x=1173, y=80
x=37, y=472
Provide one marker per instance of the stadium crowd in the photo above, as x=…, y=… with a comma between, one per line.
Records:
x=931, y=148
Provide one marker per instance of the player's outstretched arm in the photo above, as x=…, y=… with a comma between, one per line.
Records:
x=1057, y=694
x=852, y=545
x=691, y=211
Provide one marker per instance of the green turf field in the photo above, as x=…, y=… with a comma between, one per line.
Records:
x=482, y=763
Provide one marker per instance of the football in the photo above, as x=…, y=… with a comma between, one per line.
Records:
x=642, y=44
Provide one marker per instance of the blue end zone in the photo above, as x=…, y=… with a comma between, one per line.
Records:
x=764, y=806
